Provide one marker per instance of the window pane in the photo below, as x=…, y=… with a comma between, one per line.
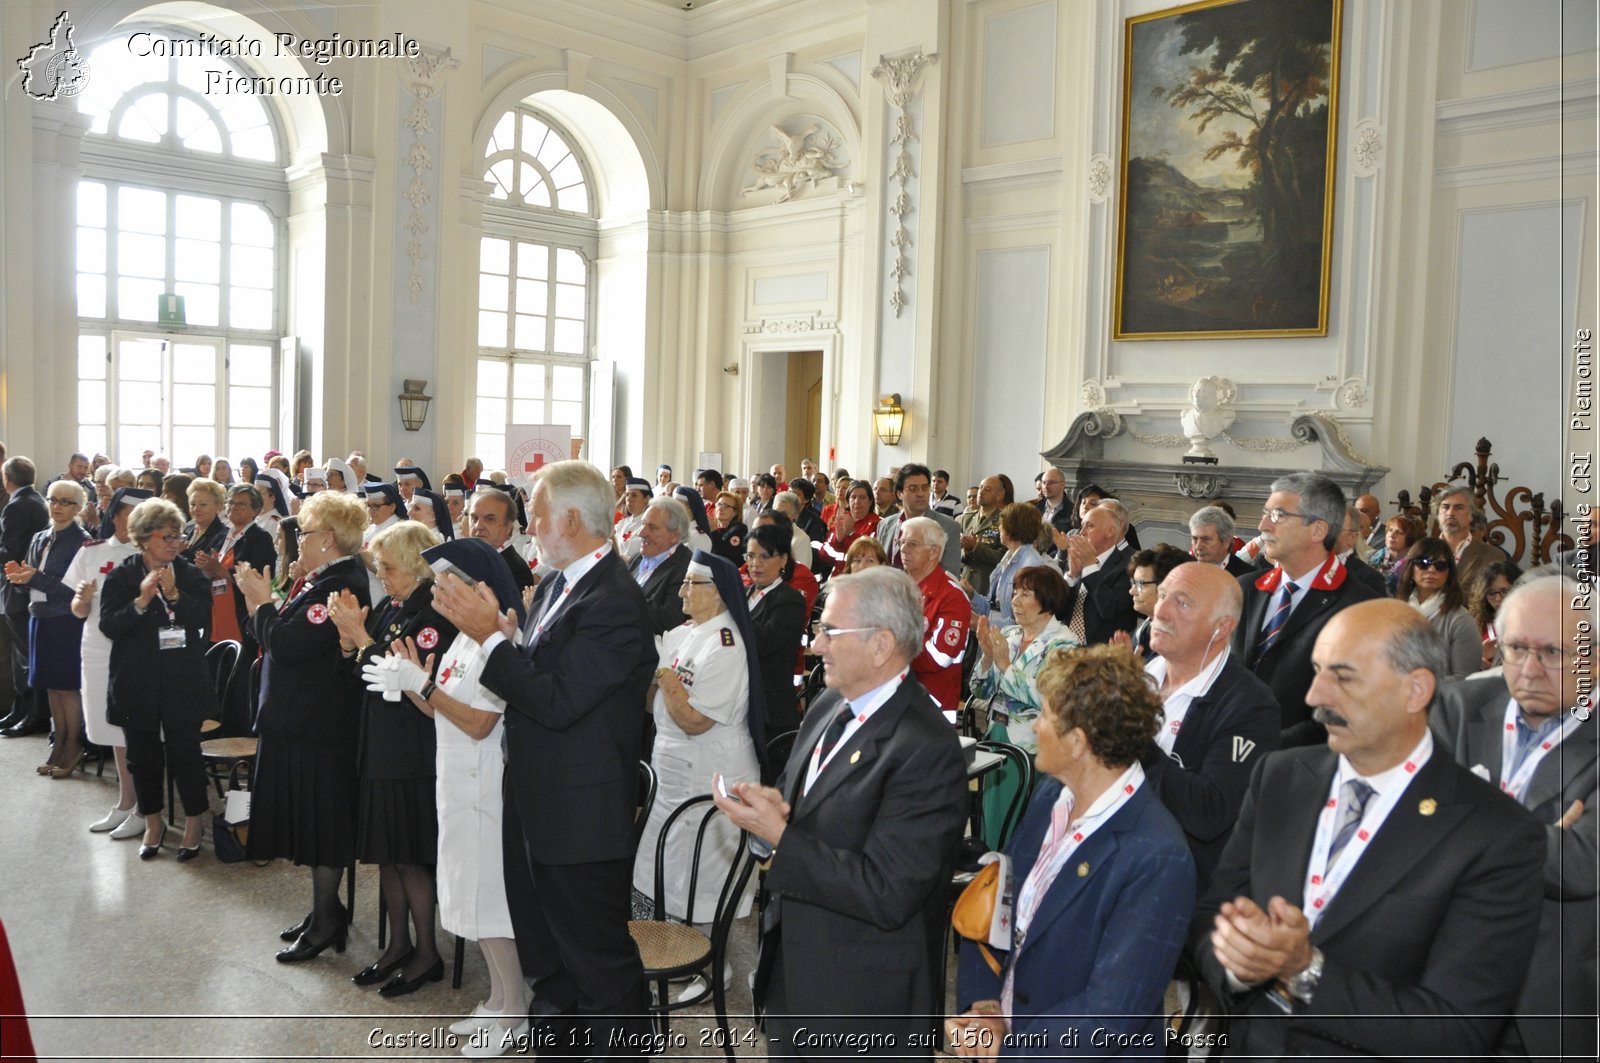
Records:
x=527, y=380
x=491, y=413
x=567, y=383
x=137, y=299
x=533, y=134
x=92, y=439
x=193, y=363
x=139, y=401
x=92, y=250
x=504, y=177
x=194, y=404
x=141, y=256
x=491, y=292
x=568, y=413
x=250, y=364
x=537, y=192
x=570, y=301
x=91, y=295
x=257, y=143
x=530, y=333
x=569, y=337
x=139, y=360
x=195, y=128
x=249, y=407
x=495, y=256
x=532, y=296
x=143, y=122
x=92, y=402
x=141, y=210
x=198, y=260
x=251, y=225
x=91, y=357
x=91, y=203
x=533, y=260
x=575, y=198
x=197, y=218
x=552, y=151
x=201, y=303
x=250, y=308
x=491, y=448
x=570, y=267
x=527, y=411
x=133, y=440
x=491, y=378
x=566, y=172
x=190, y=441
x=250, y=265
x=505, y=133
x=249, y=443
x=491, y=329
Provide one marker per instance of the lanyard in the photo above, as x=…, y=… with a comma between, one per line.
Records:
x=1056, y=851
x=1324, y=882
x=1516, y=785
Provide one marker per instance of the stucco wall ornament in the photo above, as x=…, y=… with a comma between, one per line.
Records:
x=801, y=159
x=1208, y=416
x=900, y=79
x=424, y=79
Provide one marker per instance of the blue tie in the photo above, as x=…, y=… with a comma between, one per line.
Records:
x=1356, y=794
x=1280, y=617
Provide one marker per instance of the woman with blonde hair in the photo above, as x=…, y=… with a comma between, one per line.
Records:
x=206, y=528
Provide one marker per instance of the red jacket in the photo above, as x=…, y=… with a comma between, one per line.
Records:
x=947, y=613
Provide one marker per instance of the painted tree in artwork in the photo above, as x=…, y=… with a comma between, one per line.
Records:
x=1268, y=67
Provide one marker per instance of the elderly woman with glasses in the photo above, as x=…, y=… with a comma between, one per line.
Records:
x=155, y=608
x=709, y=721
x=1429, y=583
x=54, y=634
x=304, y=808
x=206, y=528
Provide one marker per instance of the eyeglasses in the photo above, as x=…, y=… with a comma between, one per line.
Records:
x=1141, y=584
x=907, y=543
x=699, y=583
x=378, y=505
x=819, y=629
x=171, y=540
x=1277, y=515
x=1550, y=657
x=303, y=533
x=64, y=502
x=1492, y=595
x=1437, y=564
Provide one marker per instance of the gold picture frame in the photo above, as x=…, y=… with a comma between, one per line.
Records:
x=1230, y=122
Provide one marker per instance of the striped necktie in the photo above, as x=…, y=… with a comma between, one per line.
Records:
x=1356, y=794
x=1280, y=617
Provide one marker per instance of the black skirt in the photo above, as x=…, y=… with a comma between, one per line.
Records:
x=304, y=803
x=399, y=822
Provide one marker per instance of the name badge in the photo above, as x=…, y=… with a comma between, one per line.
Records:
x=219, y=587
x=173, y=638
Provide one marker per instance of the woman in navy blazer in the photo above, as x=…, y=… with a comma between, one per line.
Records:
x=54, y=634
x=1103, y=882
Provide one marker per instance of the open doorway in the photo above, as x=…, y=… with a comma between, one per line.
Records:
x=803, y=426
x=786, y=400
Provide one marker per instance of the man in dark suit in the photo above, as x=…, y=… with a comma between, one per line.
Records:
x=1345, y=547
x=1056, y=509
x=662, y=562
x=1456, y=517
x=1211, y=541
x=24, y=516
x=1533, y=735
x=1371, y=528
x=1286, y=607
x=1376, y=898
x=574, y=688
x=1220, y=719
x=1096, y=564
x=863, y=828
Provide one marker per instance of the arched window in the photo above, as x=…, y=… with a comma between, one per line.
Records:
x=180, y=222
x=535, y=282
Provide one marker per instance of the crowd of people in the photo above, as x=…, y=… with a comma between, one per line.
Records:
x=1290, y=797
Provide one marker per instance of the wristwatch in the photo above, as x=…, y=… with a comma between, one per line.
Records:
x=428, y=688
x=1303, y=986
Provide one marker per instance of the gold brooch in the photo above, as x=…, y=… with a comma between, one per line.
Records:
x=855, y=756
x=1428, y=806
x=1083, y=869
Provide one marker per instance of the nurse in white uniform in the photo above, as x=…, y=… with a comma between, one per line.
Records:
x=471, y=767
x=87, y=572
x=705, y=725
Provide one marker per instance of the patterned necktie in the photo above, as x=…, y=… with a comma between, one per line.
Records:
x=1355, y=794
x=1076, y=625
x=551, y=598
x=1280, y=616
x=894, y=548
x=830, y=737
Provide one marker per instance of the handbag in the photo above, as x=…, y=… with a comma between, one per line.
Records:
x=230, y=829
x=983, y=912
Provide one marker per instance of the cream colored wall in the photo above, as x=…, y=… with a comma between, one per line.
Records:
x=1015, y=116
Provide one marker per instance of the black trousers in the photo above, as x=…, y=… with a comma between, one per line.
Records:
x=22, y=705
x=571, y=923
x=151, y=755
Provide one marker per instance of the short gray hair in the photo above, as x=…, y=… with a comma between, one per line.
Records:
x=580, y=487
x=1118, y=511
x=1413, y=646
x=1320, y=499
x=787, y=501
x=935, y=533
x=887, y=598
x=1215, y=517
x=677, y=515
x=250, y=493
x=150, y=516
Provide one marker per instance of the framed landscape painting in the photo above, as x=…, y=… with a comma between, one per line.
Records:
x=1230, y=110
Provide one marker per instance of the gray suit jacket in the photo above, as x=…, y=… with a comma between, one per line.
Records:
x=950, y=560
x=1468, y=719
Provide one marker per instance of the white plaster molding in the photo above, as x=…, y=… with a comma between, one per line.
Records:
x=1352, y=394
x=1165, y=440
x=1569, y=101
x=423, y=80
x=1366, y=151
x=1539, y=168
x=1266, y=444
x=1099, y=178
x=802, y=160
x=790, y=326
x=1093, y=395
x=900, y=76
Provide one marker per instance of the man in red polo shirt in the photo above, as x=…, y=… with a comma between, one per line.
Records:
x=945, y=608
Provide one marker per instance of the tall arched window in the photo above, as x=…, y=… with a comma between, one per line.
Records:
x=535, y=282
x=180, y=222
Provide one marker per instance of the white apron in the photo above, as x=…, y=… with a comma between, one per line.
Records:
x=94, y=561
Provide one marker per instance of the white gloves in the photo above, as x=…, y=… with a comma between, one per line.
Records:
x=393, y=676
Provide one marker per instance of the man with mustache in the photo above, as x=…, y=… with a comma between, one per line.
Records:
x=1376, y=898
x=1286, y=607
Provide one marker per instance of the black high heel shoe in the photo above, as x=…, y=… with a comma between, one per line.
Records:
x=374, y=973
x=292, y=933
x=304, y=949
x=148, y=852
x=401, y=986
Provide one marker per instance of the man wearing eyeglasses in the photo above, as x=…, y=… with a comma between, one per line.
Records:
x=946, y=611
x=1538, y=745
x=1286, y=607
